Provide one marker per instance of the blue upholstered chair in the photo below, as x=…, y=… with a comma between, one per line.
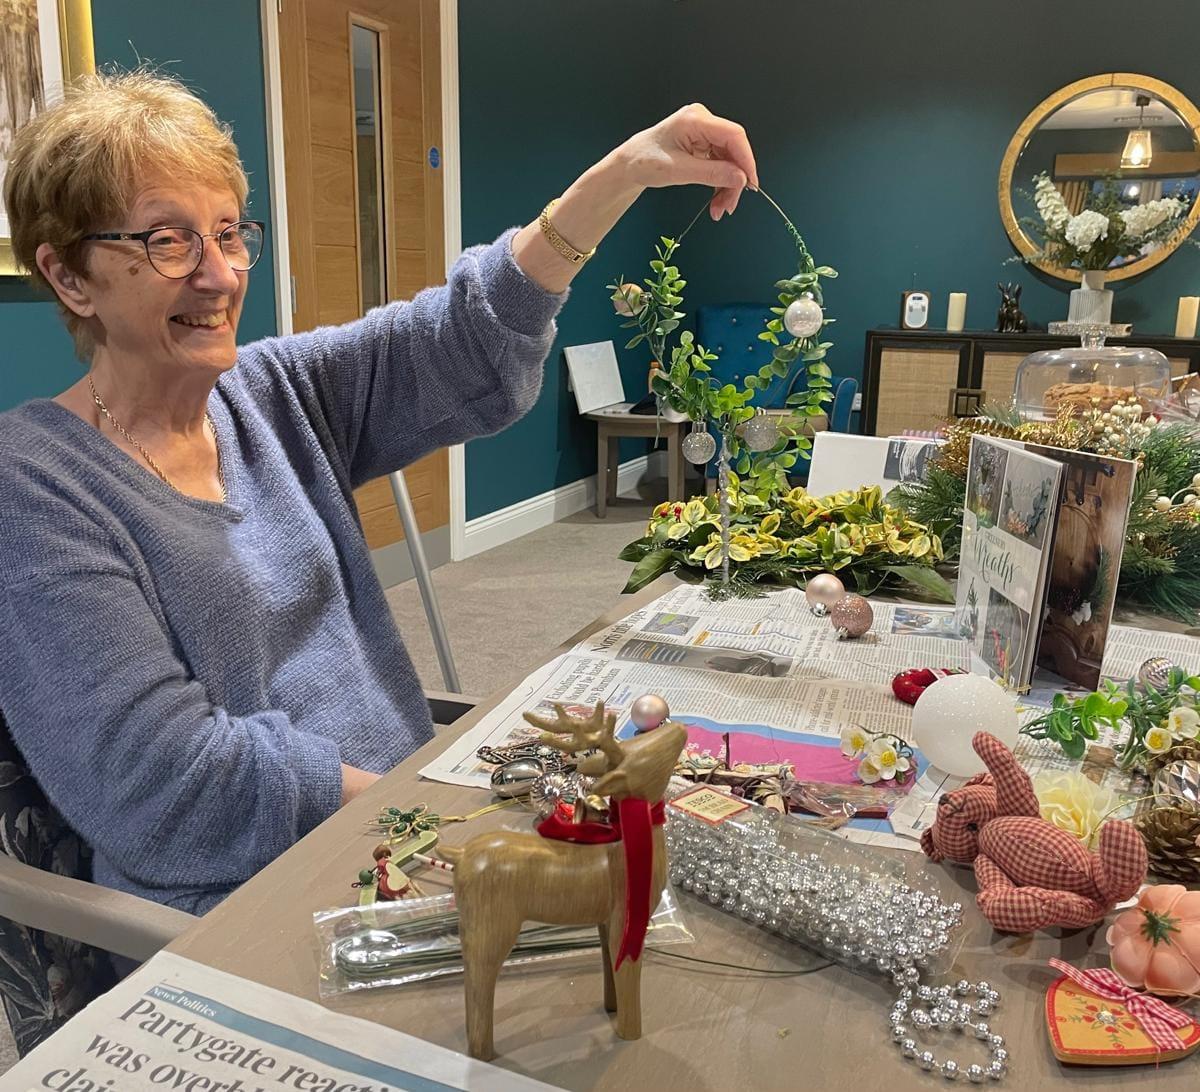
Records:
x=731, y=331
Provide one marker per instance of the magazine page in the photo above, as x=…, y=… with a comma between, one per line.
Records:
x=1008, y=527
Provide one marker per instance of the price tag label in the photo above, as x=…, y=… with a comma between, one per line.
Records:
x=709, y=804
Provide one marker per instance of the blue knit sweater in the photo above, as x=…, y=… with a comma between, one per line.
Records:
x=184, y=677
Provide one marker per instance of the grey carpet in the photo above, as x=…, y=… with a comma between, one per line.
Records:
x=506, y=608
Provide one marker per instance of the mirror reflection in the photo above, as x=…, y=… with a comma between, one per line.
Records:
x=1119, y=152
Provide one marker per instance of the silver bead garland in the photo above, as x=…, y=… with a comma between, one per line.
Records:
x=863, y=915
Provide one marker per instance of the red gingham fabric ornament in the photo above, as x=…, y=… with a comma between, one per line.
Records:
x=1031, y=874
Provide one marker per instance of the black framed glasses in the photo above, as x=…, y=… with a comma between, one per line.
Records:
x=176, y=252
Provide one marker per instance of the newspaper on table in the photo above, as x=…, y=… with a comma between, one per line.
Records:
x=177, y=1024
x=760, y=680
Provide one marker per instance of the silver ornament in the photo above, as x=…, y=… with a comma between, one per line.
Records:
x=925, y=1059
x=648, y=711
x=950, y=1069
x=516, y=778
x=1154, y=672
x=760, y=433
x=976, y=1074
x=803, y=317
x=1178, y=783
x=549, y=789
x=698, y=446
x=822, y=591
x=851, y=616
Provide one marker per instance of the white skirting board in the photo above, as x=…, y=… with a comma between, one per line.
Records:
x=506, y=524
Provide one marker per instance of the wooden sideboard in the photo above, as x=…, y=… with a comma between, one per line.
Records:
x=915, y=379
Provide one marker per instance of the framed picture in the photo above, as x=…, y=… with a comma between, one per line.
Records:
x=43, y=44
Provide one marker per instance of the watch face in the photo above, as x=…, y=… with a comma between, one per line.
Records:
x=916, y=310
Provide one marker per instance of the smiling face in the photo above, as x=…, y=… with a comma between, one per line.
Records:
x=137, y=314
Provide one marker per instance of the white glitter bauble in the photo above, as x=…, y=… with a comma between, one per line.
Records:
x=803, y=317
x=949, y=713
x=648, y=712
x=822, y=591
x=698, y=446
x=760, y=433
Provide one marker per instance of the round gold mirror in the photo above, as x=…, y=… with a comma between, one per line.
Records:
x=1121, y=145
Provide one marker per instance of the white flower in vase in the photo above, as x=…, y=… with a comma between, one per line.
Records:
x=1085, y=229
x=1142, y=219
x=1050, y=204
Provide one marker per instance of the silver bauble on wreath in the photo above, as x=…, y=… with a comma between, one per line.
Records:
x=698, y=445
x=803, y=317
x=851, y=616
x=760, y=433
x=822, y=591
x=1154, y=672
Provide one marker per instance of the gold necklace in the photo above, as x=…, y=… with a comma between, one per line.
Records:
x=146, y=455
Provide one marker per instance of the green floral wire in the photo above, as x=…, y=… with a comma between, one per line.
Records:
x=801, y=246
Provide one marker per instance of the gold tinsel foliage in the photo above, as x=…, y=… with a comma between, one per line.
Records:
x=1065, y=430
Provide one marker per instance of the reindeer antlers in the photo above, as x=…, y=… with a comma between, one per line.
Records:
x=587, y=733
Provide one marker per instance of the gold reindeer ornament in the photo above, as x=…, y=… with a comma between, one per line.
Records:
x=574, y=871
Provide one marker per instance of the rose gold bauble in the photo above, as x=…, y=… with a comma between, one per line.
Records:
x=851, y=616
x=648, y=712
x=822, y=591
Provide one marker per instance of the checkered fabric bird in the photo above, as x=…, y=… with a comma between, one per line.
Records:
x=1031, y=874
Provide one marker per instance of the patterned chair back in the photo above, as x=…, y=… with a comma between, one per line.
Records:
x=44, y=979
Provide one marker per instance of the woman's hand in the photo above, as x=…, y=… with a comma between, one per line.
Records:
x=691, y=147
x=355, y=781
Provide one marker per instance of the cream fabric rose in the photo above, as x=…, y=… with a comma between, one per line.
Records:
x=1073, y=803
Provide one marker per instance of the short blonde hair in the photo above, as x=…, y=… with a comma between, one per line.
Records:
x=76, y=167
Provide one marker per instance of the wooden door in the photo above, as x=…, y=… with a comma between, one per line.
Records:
x=361, y=112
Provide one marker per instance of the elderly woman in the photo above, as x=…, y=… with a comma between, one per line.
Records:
x=196, y=658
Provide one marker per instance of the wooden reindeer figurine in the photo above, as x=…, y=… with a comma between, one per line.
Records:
x=573, y=871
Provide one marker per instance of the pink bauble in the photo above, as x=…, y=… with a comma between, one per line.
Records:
x=822, y=591
x=648, y=712
x=851, y=616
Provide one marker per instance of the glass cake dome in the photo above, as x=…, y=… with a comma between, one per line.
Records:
x=1093, y=376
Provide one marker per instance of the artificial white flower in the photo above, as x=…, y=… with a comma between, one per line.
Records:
x=1158, y=740
x=1050, y=204
x=1142, y=219
x=854, y=741
x=1183, y=722
x=868, y=772
x=882, y=754
x=1083, y=613
x=1085, y=228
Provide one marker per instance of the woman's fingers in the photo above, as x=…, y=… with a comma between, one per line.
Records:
x=725, y=139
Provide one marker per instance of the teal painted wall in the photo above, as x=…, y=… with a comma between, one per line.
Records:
x=547, y=88
x=216, y=48
x=878, y=126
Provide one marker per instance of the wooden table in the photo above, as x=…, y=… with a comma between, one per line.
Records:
x=705, y=1028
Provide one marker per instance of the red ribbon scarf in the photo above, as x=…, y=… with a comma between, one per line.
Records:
x=632, y=823
x=1158, y=1020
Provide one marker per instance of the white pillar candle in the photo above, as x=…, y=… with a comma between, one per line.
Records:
x=1185, y=318
x=956, y=316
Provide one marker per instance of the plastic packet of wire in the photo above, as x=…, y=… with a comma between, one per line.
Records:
x=876, y=914
x=836, y=804
x=411, y=940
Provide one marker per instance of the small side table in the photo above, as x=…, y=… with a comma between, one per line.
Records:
x=610, y=427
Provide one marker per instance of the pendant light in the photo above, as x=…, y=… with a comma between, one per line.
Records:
x=1138, y=148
